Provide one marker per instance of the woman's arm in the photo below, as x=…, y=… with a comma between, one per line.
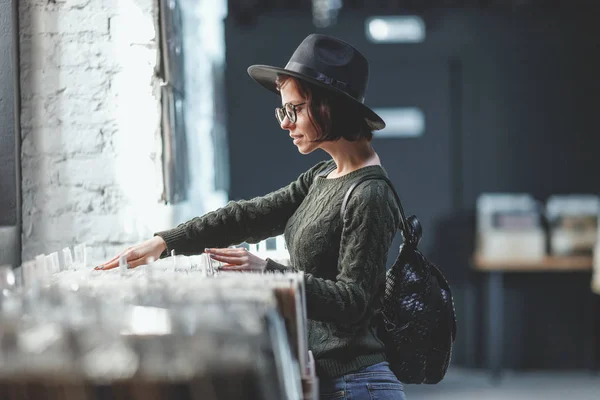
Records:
x=246, y=220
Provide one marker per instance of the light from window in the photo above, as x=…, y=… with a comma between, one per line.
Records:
x=395, y=29
x=401, y=122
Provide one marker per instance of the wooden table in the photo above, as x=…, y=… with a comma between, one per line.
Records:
x=547, y=264
x=495, y=270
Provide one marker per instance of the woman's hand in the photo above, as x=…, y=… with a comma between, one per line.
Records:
x=138, y=254
x=237, y=259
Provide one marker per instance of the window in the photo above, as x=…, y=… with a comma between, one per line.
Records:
x=170, y=71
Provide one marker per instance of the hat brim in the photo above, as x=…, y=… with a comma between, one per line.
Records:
x=266, y=75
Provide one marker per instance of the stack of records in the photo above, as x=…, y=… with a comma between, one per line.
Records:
x=175, y=329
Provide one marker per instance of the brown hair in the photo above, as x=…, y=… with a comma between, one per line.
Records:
x=332, y=116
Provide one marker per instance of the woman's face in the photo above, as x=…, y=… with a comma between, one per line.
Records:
x=302, y=131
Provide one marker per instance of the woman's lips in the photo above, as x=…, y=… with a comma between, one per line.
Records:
x=296, y=139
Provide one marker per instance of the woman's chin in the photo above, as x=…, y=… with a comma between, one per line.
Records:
x=305, y=148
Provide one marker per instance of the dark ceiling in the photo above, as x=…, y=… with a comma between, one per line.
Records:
x=395, y=5
x=246, y=11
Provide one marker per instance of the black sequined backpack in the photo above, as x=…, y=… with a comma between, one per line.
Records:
x=417, y=322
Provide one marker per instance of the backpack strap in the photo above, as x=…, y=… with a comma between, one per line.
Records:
x=404, y=227
x=324, y=174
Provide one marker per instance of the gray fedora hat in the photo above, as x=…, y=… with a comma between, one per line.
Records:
x=329, y=63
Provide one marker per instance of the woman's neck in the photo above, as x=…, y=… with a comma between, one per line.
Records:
x=350, y=156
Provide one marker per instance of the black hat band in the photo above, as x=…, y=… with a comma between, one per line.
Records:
x=314, y=74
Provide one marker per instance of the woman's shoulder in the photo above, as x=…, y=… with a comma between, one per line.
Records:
x=322, y=168
x=307, y=178
x=375, y=185
x=376, y=191
x=373, y=199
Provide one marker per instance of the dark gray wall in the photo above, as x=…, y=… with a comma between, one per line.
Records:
x=511, y=104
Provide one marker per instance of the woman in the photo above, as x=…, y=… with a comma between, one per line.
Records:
x=322, y=92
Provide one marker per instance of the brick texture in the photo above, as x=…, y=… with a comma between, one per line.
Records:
x=90, y=125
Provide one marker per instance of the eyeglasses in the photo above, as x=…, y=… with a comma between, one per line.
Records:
x=287, y=110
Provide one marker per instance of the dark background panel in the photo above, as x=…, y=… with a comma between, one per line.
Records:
x=515, y=95
x=263, y=157
x=421, y=167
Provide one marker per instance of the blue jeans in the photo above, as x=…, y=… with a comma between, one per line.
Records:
x=375, y=382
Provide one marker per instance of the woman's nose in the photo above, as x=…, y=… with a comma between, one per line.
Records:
x=286, y=123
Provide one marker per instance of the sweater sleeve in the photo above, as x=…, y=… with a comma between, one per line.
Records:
x=274, y=266
x=369, y=227
x=241, y=221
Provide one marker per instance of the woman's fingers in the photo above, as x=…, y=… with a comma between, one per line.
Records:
x=109, y=265
x=235, y=256
x=234, y=260
x=137, y=262
x=113, y=262
x=227, y=251
x=229, y=267
x=131, y=263
x=129, y=254
x=237, y=259
x=138, y=254
x=116, y=258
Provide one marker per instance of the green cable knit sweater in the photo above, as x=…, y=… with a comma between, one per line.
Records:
x=343, y=261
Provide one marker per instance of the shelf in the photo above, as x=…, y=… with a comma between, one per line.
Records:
x=547, y=264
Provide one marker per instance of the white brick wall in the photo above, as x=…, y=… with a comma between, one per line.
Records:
x=90, y=119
